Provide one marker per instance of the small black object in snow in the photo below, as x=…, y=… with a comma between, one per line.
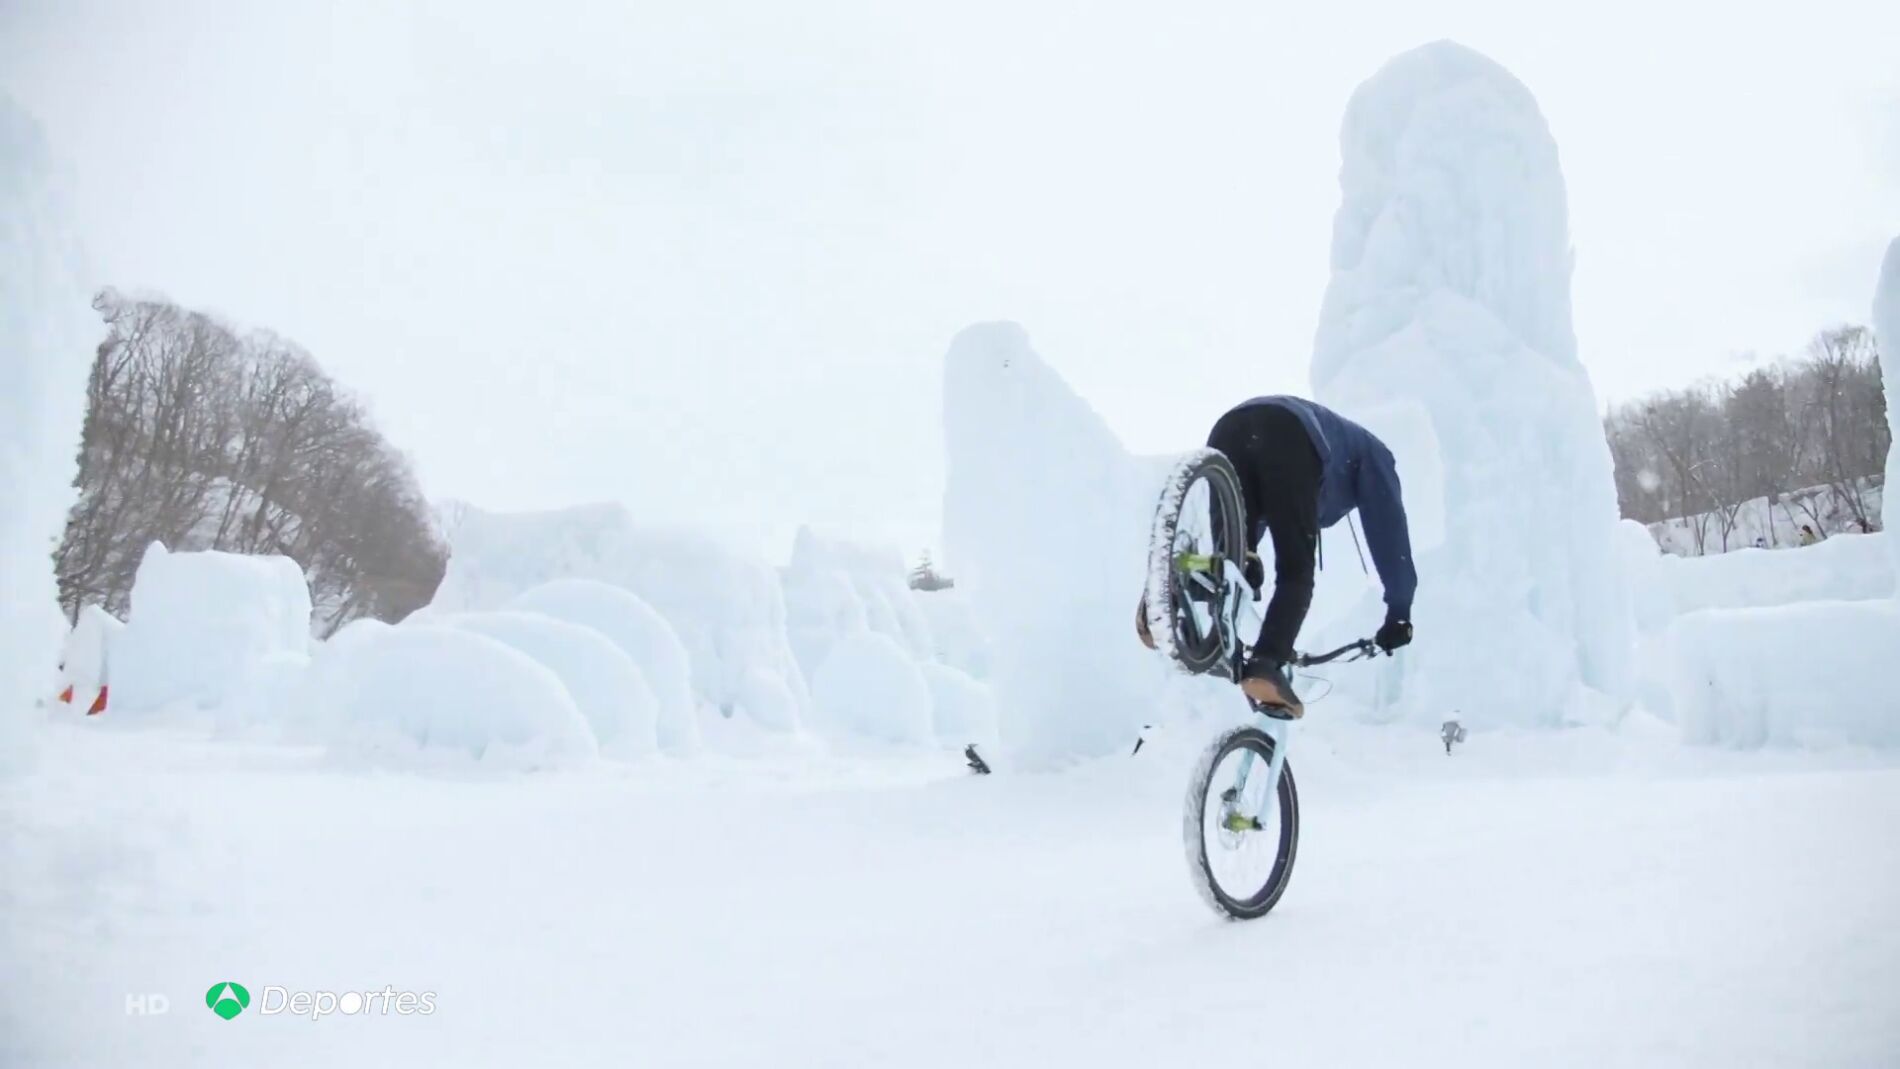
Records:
x=977, y=764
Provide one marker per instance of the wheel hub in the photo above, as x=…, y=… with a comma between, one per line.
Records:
x=1234, y=822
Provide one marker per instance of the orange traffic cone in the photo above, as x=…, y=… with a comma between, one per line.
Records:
x=67, y=694
x=99, y=703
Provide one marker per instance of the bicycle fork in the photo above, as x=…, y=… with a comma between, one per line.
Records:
x=1233, y=817
x=1239, y=600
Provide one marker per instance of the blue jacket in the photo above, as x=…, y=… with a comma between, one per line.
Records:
x=1357, y=471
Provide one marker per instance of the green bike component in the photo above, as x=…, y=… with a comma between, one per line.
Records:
x=1196, y=562
x=1235, y=820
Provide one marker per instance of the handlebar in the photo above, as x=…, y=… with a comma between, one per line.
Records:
x=1363, y=649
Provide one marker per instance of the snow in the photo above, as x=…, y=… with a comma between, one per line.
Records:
x=307, y=715
x=1405, y=426
x=1653, y=611
x=834, y=586
x=266, y=697
x=958, y=639
x=882, y=664
x=85, y=658
x=768, y=698
x=1886, y=314
x=870, y=687
x=361, y=629
x=1652, y=597
x=605, y=683
x=1846, y=567
x=425, y=696
x=1045, y=527
x=1815, y=674
x=730, y=614
x=1539, y=898
x=961, y=709
x=726, y=609
x=202, y=624
x=640, y=632
x=821, y=608
x=1450, y=295
x=726, y=643
x=45, y=334
x=1683, y=617
x=1778, y=524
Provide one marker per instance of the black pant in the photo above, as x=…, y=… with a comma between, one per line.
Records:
x=1279, y=478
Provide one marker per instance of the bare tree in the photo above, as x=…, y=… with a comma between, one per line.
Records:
x=1808, y=435
x=1845, y=380
x=1677, y=429
x=204, y=440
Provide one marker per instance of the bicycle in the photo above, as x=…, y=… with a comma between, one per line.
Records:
x=1236, y=822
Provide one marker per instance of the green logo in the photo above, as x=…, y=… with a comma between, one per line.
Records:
x=227, y=999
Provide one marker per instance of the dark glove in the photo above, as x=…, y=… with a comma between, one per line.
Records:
x=1255, y=573
x=1395, y=633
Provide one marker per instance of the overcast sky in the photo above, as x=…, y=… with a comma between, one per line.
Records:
x=705, y=257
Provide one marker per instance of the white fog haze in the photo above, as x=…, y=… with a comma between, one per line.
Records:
x=596, y=252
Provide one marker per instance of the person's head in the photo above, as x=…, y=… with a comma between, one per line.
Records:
x=1805, y=529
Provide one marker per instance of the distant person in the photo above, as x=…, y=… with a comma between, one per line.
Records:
x=1760, y=542
x=1865, y=527
x=1807, y=535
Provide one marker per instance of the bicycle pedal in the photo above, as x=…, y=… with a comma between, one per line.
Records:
x=1275, y=712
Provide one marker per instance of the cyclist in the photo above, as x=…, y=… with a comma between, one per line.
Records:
x=1303, y=467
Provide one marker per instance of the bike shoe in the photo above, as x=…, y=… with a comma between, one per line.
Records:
x=1264, y=682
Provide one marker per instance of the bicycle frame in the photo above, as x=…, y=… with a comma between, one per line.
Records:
x=1279, y=730
x=1239, y=601
x=1275, y=729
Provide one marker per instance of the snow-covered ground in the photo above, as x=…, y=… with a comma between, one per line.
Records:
x=1777, y=525
x=1548, y=898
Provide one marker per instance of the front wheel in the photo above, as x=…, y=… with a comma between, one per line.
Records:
x=1241, y=831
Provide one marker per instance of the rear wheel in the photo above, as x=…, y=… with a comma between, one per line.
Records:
x=1241, y=830
x=1199, y=525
